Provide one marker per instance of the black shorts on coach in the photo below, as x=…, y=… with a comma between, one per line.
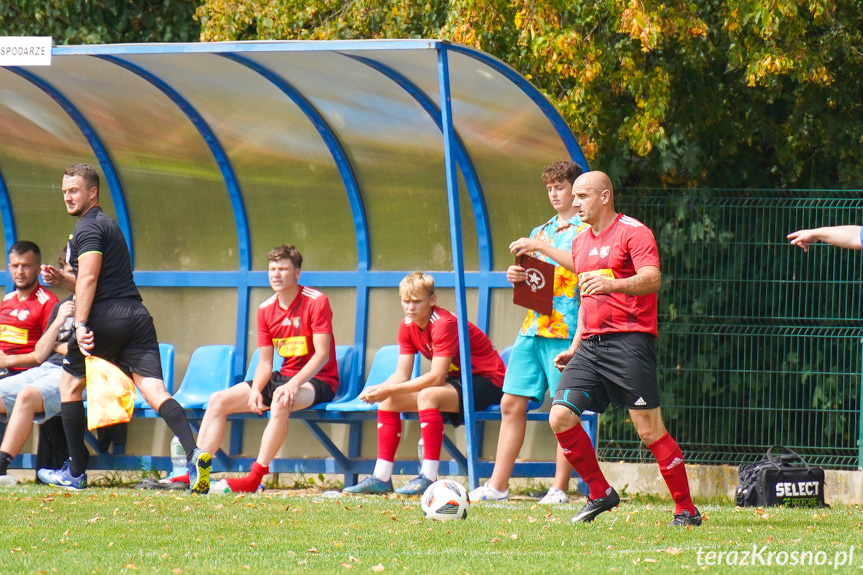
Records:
x=617, y=369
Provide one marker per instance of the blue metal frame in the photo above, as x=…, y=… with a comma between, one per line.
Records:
x=456, y=158
x=458, y=265
x=263, y=46
x=474, y=187
x=233, y=189
x=352, y=187
x=98, y=148
x=9, y=232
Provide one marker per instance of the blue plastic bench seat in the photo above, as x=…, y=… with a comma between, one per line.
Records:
x=211, y=369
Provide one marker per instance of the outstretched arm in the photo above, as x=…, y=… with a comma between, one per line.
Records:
x=842, y=236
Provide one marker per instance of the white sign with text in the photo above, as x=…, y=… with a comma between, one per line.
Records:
x=25, y=50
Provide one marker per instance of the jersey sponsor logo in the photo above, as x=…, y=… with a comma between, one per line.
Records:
x=593, y=251
x=640, y=401
x=13, y=334
x=291, y=346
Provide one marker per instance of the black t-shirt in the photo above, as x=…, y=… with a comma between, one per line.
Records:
x=65, y=331
x=96, y=232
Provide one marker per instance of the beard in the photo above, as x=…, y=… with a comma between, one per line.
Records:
x=30, y=284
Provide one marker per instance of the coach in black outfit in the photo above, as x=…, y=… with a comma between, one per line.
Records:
x=110, y=322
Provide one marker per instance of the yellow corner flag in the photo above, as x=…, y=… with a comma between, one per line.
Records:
x=110, y=394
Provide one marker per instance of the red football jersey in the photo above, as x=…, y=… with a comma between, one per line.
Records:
x=626, y=246
x=290, y=332
x=440, y=338
x=23, y=322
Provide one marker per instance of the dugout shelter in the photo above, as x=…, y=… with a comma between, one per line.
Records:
x=375, y=158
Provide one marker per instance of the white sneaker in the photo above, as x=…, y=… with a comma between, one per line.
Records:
x=8, y=480
x=554, y=497
x=488, y=493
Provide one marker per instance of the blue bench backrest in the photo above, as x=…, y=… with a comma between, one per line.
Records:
x=166, y=353
x=211, y=369
x=384, y=365
x=347, y=378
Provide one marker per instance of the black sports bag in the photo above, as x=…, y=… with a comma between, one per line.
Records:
x=781, y=480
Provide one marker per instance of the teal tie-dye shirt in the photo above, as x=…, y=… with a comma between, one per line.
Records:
x=562, y=322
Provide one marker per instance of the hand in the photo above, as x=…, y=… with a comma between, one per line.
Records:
x=595, y=284
x=561, y=359
x=522, y=245
x=803, y=238
x=67, y=308
x=376, y=393
x=85, y=338
x=287, y=395
x=256, y=402
x=515, y=274
x=51, y=275
x=4, y=360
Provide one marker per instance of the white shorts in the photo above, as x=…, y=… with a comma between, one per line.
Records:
x=45, y=378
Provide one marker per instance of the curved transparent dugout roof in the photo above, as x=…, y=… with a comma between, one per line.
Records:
x=211, y=154
x=216, y=152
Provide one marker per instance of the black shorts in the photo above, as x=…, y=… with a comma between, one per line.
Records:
x=485, y=394
x=617, y=369
x=323, y=392
x=124, y=334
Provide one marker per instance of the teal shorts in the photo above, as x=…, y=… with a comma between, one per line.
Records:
x=530, y=371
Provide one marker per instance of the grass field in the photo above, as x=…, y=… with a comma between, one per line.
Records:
x=119, y=530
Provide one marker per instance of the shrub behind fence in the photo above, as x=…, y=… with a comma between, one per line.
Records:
x=759, y=342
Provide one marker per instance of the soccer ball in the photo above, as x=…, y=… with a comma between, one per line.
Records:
x=445, y=500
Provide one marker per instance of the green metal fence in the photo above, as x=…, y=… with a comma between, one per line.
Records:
x=760, y=343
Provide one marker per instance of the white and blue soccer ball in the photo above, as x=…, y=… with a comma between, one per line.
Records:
x=445, y=500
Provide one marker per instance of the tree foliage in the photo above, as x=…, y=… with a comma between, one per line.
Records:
x=101, y=22
x=732, y=93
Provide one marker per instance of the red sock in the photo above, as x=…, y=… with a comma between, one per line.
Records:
x=670, y=459
x=251, y=482
x=389, y=434
x=580, y=453
x=181, y=478
x=431, y=426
